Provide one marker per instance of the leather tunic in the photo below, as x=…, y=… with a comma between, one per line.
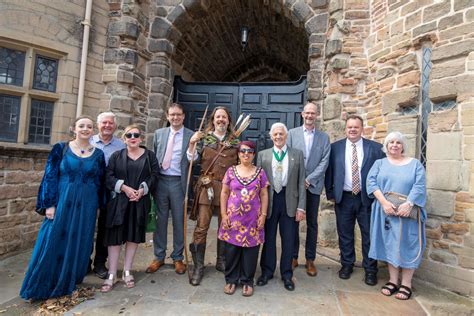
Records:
x=227, y=158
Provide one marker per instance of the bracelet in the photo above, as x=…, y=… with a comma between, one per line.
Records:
x=263, y=214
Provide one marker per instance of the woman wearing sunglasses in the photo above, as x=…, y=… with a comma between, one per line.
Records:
x=244, y=202
x=131, y=173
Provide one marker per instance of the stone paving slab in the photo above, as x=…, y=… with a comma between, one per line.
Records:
x=167, y=293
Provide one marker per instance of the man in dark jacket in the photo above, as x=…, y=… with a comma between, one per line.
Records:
x=349, y=163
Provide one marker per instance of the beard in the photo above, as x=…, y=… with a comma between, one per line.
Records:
x=221, y=129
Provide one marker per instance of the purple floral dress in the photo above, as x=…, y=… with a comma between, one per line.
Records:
x=243, y=207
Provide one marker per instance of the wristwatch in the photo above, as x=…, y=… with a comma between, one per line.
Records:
x=410, y=203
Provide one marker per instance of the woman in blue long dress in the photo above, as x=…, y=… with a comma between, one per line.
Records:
x=70, y=192
x=394, y=237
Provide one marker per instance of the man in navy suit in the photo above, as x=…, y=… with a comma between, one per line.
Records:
x=349, y=163
x=316, y=147
x=170, y=144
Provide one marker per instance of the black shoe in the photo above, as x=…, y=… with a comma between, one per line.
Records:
x=289, y=284
x=100, y=271
x=370, y=278
x=263, y=280
x=345, y=272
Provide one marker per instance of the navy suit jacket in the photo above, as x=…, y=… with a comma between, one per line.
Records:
x=334, y=181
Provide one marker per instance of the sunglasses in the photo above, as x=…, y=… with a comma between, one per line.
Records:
x=246, y=151
x=132, y=135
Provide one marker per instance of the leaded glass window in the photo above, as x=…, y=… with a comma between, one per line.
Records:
x=46, y=73
x=426, y=106
x=445, y=105
x=12, y=66
x=9, y=117
x=41, y=118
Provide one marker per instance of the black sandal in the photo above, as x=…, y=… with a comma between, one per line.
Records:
x=406, y=291
x=390, y=287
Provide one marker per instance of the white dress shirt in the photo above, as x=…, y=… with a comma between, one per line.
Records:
x=175, y=167
x=275, y=164
x=348, y=163
x=308, y=142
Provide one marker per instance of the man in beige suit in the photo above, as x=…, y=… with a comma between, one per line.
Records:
x=285, y=170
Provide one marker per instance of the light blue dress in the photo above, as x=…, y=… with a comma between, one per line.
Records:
x=63, y=247
x=386, y=243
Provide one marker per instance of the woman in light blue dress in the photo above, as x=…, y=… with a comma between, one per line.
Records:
x=70, y=194
x=394, y=237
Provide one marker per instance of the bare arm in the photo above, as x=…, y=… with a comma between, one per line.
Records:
x=224, y=197
x=387, y=207
x=263, y=207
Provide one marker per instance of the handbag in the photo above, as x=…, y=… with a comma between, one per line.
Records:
x=398, y=199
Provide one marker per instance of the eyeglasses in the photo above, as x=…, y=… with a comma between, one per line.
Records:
x=246, y=151
x=132, y=135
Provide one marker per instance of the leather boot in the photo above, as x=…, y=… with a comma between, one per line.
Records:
x=220, y=261
x=198, y=252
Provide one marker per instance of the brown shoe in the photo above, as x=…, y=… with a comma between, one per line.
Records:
x=179, y=267
x=154, y=266
x=294, y=263
x=311, y=268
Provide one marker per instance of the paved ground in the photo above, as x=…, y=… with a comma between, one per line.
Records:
x=166, y=293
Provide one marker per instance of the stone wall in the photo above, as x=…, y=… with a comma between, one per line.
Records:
x=19, y=181
x=361, y=56
x=125, y=62
x=377, y=54
x=53, y=27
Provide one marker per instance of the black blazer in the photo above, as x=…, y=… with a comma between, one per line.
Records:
x=334, y=181
x=117, y=170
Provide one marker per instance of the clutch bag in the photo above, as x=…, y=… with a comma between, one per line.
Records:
x=398, y=199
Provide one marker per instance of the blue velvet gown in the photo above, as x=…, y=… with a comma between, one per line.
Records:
x=386, y=243
x=61, y=254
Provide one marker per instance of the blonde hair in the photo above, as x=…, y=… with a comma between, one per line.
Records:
x=129, y=128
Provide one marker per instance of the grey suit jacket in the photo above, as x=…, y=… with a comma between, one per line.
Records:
x=160, y=141
x=318, y=160
x=295, y=192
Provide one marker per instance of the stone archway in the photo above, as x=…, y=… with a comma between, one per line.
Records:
x=199, y=40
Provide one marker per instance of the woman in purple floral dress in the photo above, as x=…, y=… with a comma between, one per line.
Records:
x=244, y=203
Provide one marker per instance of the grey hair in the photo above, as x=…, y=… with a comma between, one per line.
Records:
x=103, y=115
x=278, y=125
x=394, y=136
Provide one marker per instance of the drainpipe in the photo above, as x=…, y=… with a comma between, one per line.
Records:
x=85, y=48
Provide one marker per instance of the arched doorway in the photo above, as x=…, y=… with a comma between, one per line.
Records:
x=200, y=43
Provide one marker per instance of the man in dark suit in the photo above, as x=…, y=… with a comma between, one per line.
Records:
x=349, y=163
x=170, y=144
x=284, y=167
x=316, y=147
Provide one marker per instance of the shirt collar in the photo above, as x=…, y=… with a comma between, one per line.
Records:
x=310, y=131
x=96, y=139
x=179, y=131
x=283, y=149
x=358, y=143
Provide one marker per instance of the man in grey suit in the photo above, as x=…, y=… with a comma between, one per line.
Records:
x=170, y=144
x=316, y=148
x=284, y=167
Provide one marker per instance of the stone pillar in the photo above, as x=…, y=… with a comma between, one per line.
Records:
x=124, y=59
